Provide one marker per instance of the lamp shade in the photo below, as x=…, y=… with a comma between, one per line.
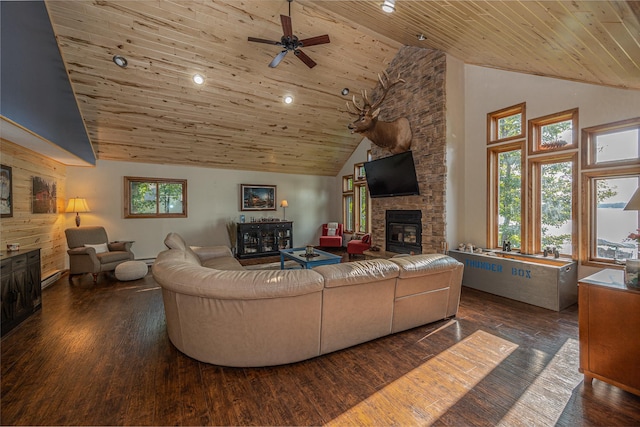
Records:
x=77, y=205
x=634, y=202
x=284, y=204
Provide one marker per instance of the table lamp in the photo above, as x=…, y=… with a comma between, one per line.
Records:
x=77, y=205
x=284, y=204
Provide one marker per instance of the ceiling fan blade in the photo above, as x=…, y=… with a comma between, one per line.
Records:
x=312, y=41
x=253, y=39
x=304, y=58
x=286, y=25
x=279, y=57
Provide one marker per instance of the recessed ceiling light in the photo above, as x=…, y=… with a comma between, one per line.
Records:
x=345, y=91
x=120, y=61
x=288, y=99
x=389, y=6
x=198, y=79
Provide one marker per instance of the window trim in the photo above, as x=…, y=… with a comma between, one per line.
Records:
x=492, y=190
x=588, y=241
x=537, y=123
x=492, y=123
x=588, y=151
x=127, y=197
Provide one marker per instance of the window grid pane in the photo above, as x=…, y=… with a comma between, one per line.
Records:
x=509, y=197
x=556, y=206
x=617, y=146
x=612, y=223
x=510, y=126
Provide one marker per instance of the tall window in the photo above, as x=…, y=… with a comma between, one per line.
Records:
x=555, y=219
x=362, y=207
x=155, y=198
x=505, y=140
x=505, y=206
x=611, y=174
x=347, y=203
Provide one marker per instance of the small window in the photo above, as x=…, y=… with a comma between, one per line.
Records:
x=358, y=172
x=614, y=144
x=347, y=183
x=155, y=198
x=554, y=132
x=506, y=124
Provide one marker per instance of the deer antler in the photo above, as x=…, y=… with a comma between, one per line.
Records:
x=368, y=106
x=385, y=86
x=355, y=104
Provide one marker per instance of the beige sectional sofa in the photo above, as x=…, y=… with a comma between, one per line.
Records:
x=218, y=312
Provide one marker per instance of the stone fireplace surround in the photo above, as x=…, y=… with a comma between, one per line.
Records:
x=421, y=99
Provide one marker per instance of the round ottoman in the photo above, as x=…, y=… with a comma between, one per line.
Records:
x=131, y=270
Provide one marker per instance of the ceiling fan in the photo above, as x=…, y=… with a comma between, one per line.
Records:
x=290, y=42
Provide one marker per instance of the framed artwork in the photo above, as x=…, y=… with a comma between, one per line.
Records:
x=6, y=192
x=257, y=197
x=44, y=196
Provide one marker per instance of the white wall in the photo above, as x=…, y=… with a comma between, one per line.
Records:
x=455, y=196
x=488, y=90
x=213, y=199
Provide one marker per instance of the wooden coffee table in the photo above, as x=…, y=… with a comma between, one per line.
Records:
x=299, y=255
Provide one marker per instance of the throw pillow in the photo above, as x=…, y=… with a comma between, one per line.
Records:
x=331, y=231
x=100, y=248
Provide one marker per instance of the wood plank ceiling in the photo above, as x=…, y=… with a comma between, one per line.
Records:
x=152, y=111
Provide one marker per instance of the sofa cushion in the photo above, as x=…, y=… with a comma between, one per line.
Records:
x=223, y=263
x=99, y=248
x=419, y=265
x=358, y=272
x=175, y=241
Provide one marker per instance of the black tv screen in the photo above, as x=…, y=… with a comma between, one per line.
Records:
x=392, y=176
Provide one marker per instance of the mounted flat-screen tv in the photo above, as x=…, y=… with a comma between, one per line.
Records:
x=392, y=176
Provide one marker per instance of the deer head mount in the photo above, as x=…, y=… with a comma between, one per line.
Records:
x=394, y=136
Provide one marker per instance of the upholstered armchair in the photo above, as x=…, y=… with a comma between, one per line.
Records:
x=91, y=252
x=358, y=246
x=331, y=235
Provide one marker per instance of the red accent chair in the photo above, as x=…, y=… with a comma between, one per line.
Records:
x=358, y=246
x=333, y=241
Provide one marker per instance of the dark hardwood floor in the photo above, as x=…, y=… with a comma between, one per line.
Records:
x=100, y=355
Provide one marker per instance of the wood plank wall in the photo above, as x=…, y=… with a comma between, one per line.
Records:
x=44, y=231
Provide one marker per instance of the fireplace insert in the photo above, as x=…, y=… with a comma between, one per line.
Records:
x=404, y=231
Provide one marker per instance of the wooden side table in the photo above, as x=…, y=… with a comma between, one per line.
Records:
x=609, y=323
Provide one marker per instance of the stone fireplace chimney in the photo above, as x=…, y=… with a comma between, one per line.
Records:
x=421, y=99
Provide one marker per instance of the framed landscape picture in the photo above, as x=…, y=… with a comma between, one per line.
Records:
x=44, y=196
x=257, y=197
x=6, y=192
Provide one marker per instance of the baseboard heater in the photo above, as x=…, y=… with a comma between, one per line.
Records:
x=50, y=279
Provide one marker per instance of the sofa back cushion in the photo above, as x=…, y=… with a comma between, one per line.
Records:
x=175, y=241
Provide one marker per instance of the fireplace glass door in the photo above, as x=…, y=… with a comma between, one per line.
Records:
x=403, y=233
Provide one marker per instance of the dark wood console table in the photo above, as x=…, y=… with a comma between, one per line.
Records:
x=609, y=316
x=21, y=291
x=257, y=239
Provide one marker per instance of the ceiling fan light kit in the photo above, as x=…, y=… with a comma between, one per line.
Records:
x=290, y=42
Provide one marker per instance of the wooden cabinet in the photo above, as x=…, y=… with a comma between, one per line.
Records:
x=20, y=289
x=609, y=322
x=264, y=238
